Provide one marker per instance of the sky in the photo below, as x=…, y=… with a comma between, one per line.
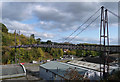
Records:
x=57, y=20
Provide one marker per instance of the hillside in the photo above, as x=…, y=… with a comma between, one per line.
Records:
x=25, y=55
x=29, y=54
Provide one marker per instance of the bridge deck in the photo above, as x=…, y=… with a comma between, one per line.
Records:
x=110, y=48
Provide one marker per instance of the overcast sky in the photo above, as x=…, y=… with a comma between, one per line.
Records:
x=57, y=20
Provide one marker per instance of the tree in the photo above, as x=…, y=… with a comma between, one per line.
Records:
x=49, y=42
x=73, y=74
x=68, y=52
x=94, y=53
x=4, y=28
x=47, y=50
x=40, y=52
x=73, y=52
x=5, y=54
x=61, y=52
x=79, y=53
x=83, y=53
x=32, y=36
x=32, y=40
x=38, y=41
x=52, y=51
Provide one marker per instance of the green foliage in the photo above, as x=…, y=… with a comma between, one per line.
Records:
x=94, y=53
x=29, y=54
x=22, y=54
x=32, y=41
x=32, y=36
x=73, y=52
x=49, y=42
x=61, y=52
x=4, y=28
x=38, y=41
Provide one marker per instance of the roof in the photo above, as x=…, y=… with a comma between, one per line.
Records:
x=89, y=65
x=11, y=69
x=98, y=60
x=62, y=67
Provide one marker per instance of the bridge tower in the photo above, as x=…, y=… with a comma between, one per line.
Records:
x=104, y=41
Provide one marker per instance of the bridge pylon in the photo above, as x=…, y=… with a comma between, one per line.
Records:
x=104, y=41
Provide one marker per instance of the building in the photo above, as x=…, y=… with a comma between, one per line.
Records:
x=12, y=71
x=93, y=69
x=91, y=66
x=54, y=70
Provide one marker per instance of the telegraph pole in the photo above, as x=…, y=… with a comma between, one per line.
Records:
x=15, y=48
x=19, y=47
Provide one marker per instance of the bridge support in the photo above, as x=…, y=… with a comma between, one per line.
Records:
x=104, y=34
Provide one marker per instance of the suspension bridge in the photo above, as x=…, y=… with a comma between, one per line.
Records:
x=104, y=33
x=103, y=47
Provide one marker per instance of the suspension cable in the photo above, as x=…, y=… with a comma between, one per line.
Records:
x=82, y=24
x=85, y=28
x=112, y=13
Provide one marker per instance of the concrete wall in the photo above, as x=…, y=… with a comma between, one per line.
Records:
x=48, y=75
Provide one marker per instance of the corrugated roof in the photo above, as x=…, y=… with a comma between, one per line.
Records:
x=90, y=65
x=62, y=67
x=11, y=69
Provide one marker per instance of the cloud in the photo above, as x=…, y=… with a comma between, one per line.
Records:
x=60, y=17
x=50, y=14
x=25, y=29
x=113, y=41
x=15, y=25
x=16, y=11
x=70, y=14
x=42, y=35
x=82, y=40
x=0, y=11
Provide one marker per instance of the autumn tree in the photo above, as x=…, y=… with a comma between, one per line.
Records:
x=4, y=28
x=61, y=52
x=72, y=74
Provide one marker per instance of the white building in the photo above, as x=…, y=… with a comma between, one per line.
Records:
x=93, y=72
